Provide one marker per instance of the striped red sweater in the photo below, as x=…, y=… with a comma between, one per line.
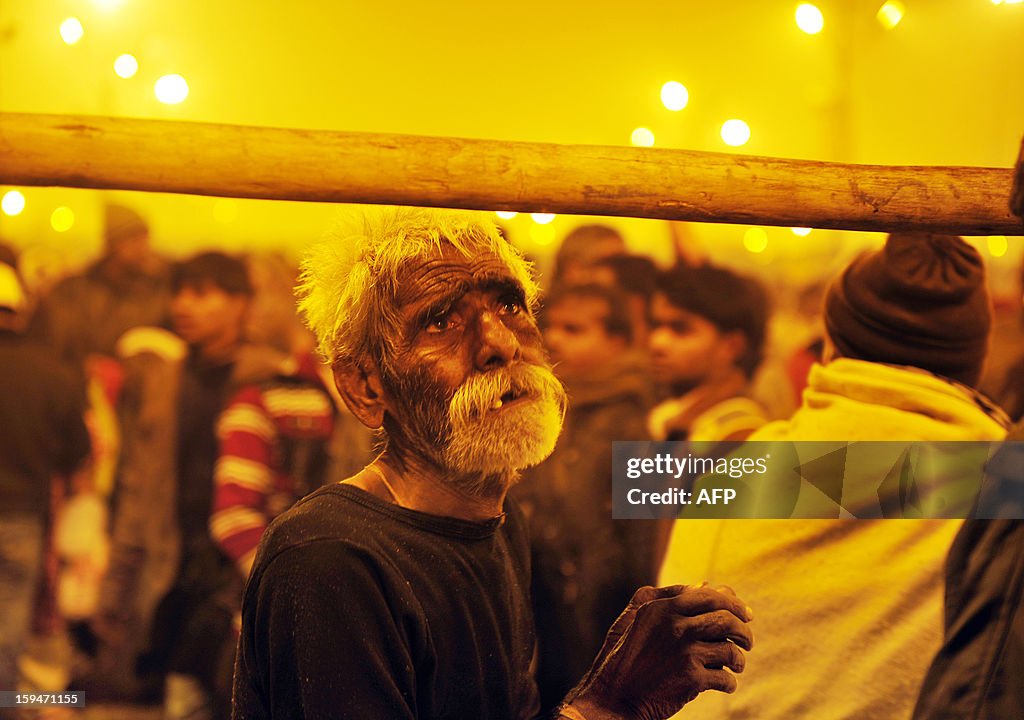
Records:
x=273, y=450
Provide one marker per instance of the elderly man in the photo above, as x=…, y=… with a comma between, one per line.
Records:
x=402, y=592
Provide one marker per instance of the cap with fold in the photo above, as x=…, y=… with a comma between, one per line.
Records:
x=920, y=301
x=122, y=223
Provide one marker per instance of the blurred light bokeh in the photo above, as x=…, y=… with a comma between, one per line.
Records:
x=930, y=82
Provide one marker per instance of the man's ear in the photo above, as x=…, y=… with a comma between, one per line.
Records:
x=360, y=387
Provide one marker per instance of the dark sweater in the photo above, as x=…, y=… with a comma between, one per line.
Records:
x=357, y=608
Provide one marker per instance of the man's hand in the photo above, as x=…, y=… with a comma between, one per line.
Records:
x=668, y=646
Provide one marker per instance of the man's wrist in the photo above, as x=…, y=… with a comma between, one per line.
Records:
x=582, y=707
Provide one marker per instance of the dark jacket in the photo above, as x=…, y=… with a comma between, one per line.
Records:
x=979, y=672
x=42, y=407
x=88, y=313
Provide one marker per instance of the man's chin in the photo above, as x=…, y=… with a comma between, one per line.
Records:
x=660, y=373
x=508, y=440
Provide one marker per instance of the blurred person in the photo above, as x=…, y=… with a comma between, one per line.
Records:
x=636, y=276
x=793, y=345
x=706, y=343
x=402, y=592
x=127, y=287
x=585, y=565
x=977, y=671
x=44, y=438
x=581, y=248
x=273, y=439
x=272, y=319
x=169, y=594
x=906, y=338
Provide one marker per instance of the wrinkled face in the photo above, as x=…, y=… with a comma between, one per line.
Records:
x=575, y=333
x=206, y=315
x=685, y=349
x=470, y=388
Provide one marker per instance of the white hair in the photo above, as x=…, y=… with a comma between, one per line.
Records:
x=348, y=285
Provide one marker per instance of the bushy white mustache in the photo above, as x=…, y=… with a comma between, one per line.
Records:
x=482, y=392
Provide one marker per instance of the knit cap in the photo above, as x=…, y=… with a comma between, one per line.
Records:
x=920, y=301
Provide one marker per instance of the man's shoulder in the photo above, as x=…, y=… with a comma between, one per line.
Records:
x=30, y=358
x=76, y=288
x=325, y=515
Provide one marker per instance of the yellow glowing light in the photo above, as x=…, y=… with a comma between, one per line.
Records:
x=126, y=66
x=997, y=245
x=506, y=214
x=542, y=234
x=800, y=232
x=109, y=4
x=542, y=218
x=755, y=240
x=809, y=19
x=225, y=210
x=13, y=203
x=735, y=133
x=890, y=14
x=71, y=31
x=674, y=96
x=171, y=89
x=62, y=219
x=642, y=137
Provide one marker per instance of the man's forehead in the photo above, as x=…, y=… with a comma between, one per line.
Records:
x=442, y=271
x=662, y=307
x=580, y=307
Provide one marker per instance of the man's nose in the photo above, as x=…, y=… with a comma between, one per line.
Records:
x=657, y=340
x=499, y=346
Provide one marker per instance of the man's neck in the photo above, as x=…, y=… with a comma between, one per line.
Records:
x=420, y=485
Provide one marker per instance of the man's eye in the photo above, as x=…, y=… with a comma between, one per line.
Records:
x=439, y=323
x=511, y=305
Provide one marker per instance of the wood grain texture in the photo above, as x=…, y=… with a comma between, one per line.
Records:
x=346, y=167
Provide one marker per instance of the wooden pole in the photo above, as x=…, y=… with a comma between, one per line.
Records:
x=328, y=166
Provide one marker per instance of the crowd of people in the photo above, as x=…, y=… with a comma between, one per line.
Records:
x=395, y=501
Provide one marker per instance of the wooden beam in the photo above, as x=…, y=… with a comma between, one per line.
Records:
x=328, y=166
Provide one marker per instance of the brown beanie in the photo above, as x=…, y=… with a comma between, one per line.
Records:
x=122, y=223
x=920, y=301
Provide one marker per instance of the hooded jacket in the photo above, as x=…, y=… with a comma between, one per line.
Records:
x=847, y=612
